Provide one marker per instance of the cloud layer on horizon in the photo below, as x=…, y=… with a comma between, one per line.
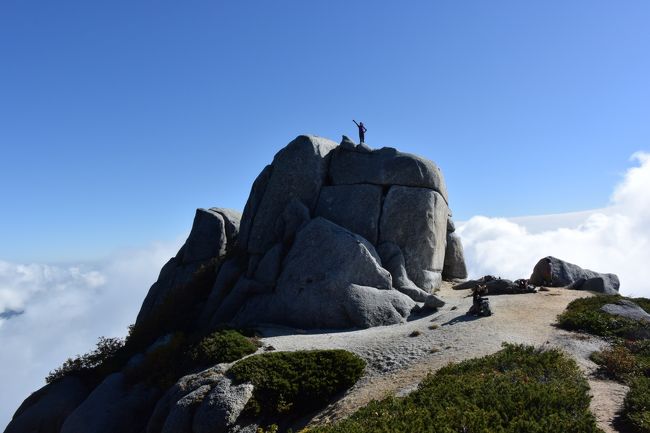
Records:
x=614, y=239
x=65, y=309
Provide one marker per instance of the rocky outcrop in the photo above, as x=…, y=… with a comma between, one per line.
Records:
x=554, y=272
x=221, y=407
x=416, y=220
x=214, y=231
x=191, y=385
x=331, y=278
x=627, y=309
x=298, y=172
x=385, y=167
x=393, y=261
x=383, y=197
x=46, y=409
x=308, y=240
x=332, y=236
x=204, y=402
x=454, y=267
x=113, y=406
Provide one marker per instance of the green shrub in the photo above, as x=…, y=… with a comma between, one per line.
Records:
x=641, y=351
x=293, y=383
x=629, y=362
x=102, y=359
x=636, y=408
x=223, y=346
x=164, y=363
x=584, y=315
x=518, y=389
x=617, y=362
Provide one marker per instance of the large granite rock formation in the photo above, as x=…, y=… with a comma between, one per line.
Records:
x=332, y=236
x=213, y=233
x=554, y=272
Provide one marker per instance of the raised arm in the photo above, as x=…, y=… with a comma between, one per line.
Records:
x=355, y=122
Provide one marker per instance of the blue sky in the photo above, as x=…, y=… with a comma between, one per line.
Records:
x=118, y=119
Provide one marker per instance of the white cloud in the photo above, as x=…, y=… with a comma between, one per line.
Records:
x=614, y=239
x=65, y=309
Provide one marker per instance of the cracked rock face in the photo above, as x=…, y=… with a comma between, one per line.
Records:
x=331, y=237
x=304, y=253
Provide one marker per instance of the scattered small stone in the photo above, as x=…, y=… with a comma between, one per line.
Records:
x=454, y=308
x=434, y=326
x=415, y=333
x=434, y=350
x=269, y=348
x=544, y=289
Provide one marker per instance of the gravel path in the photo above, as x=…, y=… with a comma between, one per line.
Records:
x=400, y=356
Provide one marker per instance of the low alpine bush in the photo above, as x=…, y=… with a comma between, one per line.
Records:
x=584, y=315
x=518, y=389
x=226, y=345
x=103, y=360
x=616, y=362
x=293, y=383
x=636, y=408
x=628, y=358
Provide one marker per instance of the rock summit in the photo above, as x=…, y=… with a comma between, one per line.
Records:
x=332, y=236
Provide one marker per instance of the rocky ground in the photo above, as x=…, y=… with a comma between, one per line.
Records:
x=400, y=356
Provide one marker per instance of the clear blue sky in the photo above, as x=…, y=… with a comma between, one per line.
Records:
x=119, y=118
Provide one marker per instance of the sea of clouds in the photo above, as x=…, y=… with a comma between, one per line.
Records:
x=613, y=239
x=54, y=312
x=59, y=311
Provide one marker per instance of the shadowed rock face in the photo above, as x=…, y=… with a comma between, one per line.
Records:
x=454, y=268
x=213, y=233
x=113, y=406
x=46, y=409
x=356, y=207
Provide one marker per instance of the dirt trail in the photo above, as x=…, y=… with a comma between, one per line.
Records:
x=397, y=362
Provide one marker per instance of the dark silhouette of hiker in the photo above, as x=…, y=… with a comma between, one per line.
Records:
x=362, y=131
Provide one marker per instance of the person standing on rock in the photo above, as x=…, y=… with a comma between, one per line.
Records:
x=362, y=131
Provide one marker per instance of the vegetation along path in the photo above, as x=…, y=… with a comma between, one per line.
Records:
x=400, y=356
